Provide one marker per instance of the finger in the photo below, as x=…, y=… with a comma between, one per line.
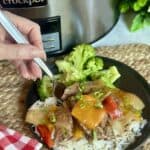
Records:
x=34, y=36
x=22, y=68
x=28, y=28
x=2, y=34
x=35, y=70
x=20, y=51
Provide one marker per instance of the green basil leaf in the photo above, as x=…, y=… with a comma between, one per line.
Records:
x=138, y=22
x=148, y=10
x=124, y=6
x=147, y=20
x=136, y=6
x=142, y=3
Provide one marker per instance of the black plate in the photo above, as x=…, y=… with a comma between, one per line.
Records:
x=130, y=81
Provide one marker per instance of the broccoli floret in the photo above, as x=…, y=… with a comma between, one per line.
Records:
x=108, y=76
x=82, y=64
x=73, y=65
x=94, y=64
x=79, y=56
x=44, y=87
x=64, y=66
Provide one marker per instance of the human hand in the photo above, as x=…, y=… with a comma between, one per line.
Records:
x=21, y=55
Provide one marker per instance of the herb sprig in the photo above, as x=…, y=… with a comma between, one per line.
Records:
x=141, y=8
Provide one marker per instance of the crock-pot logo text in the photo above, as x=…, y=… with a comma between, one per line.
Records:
x=22, y=3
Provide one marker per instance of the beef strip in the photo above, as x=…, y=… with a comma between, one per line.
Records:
x=85, y=129
x=70, y=91
x=64, y=124
x=92, y=86
x=104, y=130
x=88, y=87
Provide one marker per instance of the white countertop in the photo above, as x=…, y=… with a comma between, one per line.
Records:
x=120, y=34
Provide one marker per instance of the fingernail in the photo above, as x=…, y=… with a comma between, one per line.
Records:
x=40, y=76
x=45, y=56
x=39, y=53
x=26, y=76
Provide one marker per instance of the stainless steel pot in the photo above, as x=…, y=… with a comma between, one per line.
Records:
x=82, y=21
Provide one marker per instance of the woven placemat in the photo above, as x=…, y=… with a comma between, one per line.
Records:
x=135, y=56
x=13, y=88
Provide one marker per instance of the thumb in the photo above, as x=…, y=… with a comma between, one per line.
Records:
x=20, y=51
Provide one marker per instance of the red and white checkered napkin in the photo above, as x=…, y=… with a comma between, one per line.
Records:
x=12, y=140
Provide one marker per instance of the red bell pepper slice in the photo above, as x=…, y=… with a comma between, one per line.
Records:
x=112, y=108
x=45, y=133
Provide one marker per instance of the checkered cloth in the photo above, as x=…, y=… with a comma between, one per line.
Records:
x=12, y=140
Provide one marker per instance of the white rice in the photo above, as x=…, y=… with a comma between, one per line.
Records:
x=117, y=143
x=40, y=104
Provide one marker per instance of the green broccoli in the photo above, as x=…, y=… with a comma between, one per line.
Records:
x=73, y=65
x=64, y=66
x=108, y=76
x=44, y=87
x=94, y=64
x=79, y=56
x=82, y=64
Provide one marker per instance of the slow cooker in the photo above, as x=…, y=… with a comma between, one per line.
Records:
x=65, y=23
